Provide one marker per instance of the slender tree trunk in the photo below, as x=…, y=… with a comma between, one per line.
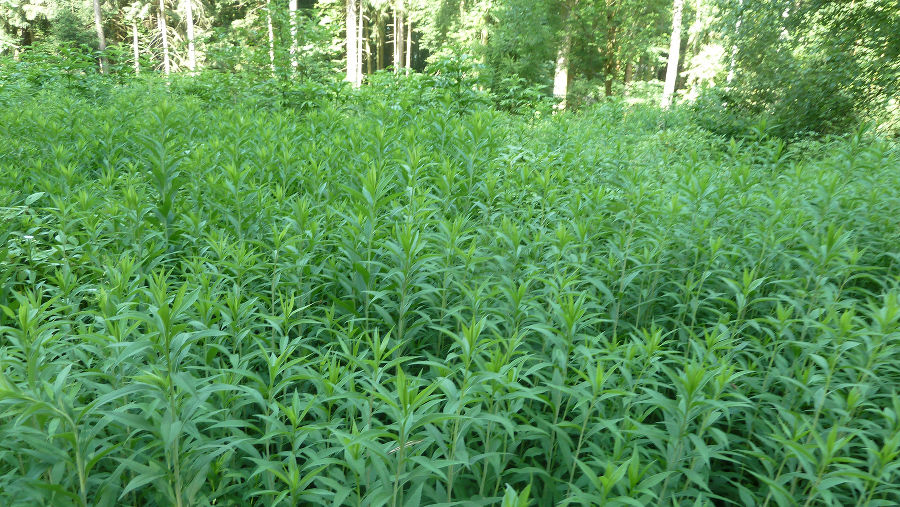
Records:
x=163, y=31
x=351, y=41
x=370, y=61
x=101, y=39
x=134, y=46
x=189, y=20
x=401, y=41
x=680, y=78
x=629, y=72
x=409, y=31
x=734, y=49
x=359, y=44
x=398, y=38
x=379, y=50
x=271, y=35
x=674, y=47
x=485, y=22
x=295, y=43
x=561, y=74
x=394, y=38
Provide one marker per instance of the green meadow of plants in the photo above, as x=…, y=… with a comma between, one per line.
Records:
x=364, y=298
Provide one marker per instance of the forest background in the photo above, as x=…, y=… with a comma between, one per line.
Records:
x=815, y=66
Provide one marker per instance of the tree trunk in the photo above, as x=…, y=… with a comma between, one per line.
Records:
x=134, y=46
x=359, y=43
x=734, y=49
x=370, y=63
x=295, y=44
x=163, y=29
x=629, y=72
x=674, y=47
x=401, y=32
x=680, y=78
x=485, y=22
x=351, y=41
x=379, y=50
x=101, y=39
x=398, y=40
x=394, y=39
x=561, y=73
x=271, y=35
x=189, y=20
x=408, y=44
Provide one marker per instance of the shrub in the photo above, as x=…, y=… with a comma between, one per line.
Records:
x=379, y=300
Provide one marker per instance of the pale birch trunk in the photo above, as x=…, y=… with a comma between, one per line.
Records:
x=359, y=44
x=292, y=12
x=271, y=35
x=398, y=38
x=163, y=29
x=408, y=44
x=351, y=41
x=561, y=73
x=101, y=39
x=734, y=49
x=674, y=47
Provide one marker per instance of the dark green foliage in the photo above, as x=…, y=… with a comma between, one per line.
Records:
x=818, y=67
x=71, y=26
x=366, y=298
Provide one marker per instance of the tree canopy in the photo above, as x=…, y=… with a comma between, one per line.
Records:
x=814, y=66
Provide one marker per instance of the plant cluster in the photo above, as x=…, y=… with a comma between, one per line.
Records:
x=361, y=302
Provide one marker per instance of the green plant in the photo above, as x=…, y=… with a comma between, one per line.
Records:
x=215, y=292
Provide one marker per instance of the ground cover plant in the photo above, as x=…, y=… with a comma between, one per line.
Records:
x=371, y=300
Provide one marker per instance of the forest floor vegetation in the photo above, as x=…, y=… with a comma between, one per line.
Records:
x=217, y=294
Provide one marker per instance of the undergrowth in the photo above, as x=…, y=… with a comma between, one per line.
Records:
x=374, y=301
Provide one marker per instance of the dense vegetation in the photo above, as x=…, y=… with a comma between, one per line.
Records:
x=449, y=252
x=214, y=294
x=807, y=67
